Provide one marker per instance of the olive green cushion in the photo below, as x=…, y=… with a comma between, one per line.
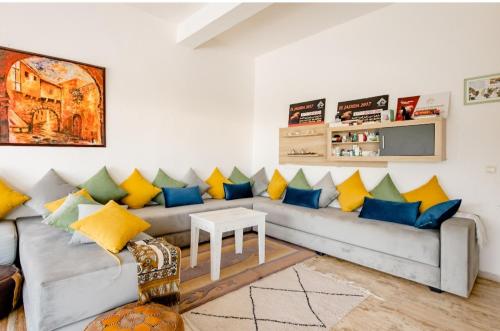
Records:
x=67, y=214
x=237, y=177
x=386, y=190
x=163, y=180
x=102, y=188
x=299, y=181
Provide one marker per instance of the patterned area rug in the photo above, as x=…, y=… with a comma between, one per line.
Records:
x=297, y=298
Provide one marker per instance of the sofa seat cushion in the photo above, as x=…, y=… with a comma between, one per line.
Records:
x=8, y=242
x=176, y=219
x=66, y=284
x=395, y=239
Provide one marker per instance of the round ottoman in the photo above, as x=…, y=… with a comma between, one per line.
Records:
x=10, y=289
x=137, y=317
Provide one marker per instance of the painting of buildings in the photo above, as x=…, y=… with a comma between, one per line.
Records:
x=50, y=101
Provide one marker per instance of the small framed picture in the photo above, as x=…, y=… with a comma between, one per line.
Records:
x=482, y=89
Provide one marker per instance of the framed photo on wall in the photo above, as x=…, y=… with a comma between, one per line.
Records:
x=48, y=101
x=482, y=89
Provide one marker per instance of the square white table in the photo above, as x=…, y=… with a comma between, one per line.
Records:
x=218, y=221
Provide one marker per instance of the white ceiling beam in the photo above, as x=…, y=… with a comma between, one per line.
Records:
x=214, y=19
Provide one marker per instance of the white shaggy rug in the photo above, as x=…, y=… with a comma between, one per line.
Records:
x=297, y=298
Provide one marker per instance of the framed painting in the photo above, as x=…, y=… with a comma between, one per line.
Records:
x=482, y=89
x=48, y=101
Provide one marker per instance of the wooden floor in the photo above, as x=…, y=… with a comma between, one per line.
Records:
x=397, y=304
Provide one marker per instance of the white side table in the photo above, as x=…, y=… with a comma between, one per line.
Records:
x=218, y=221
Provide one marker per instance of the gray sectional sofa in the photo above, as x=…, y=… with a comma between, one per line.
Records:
x=68, y=286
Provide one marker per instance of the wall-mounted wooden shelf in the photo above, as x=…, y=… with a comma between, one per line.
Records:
x=425, y=138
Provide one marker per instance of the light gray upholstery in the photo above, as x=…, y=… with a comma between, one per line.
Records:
x=385, y=237
x=8, y=242
x=65, y=284
x=418, y=272
x=459, y=256
x=172, y=220
x=68, y=286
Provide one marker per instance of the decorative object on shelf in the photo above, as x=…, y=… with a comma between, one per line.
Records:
x=306, y=113
x=482, y=89
x=47, y=101
x=363, y=110
x=423, y=106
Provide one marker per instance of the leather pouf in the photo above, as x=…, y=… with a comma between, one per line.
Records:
x=10, y=289
x=136, y=317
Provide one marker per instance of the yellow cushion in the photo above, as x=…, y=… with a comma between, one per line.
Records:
x=9, y=199
x=111, y=227
x=276, y=186
x=54, y=205
x=216, y=182
x=139, y=190
x=430, y=194
x=352, y=193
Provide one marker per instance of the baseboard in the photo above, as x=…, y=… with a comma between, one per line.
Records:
x=489, y=276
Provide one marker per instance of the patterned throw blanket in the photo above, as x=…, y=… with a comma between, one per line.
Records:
x=158, y=264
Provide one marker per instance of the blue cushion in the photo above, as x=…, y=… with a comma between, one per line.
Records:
x=390, y=211
x=303, y=198
x=181, y=196
x=237, y=191
x=434, y=216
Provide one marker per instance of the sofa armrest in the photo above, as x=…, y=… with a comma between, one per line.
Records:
x=459, y=256
x=8, y=242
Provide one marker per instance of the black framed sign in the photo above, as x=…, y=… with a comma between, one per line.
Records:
x=307, y=113
x=364, y=110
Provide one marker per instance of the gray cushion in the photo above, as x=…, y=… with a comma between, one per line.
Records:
x=21, y=212
x=390, y=238
x=65, y=283
x=176, y=219
x=259, y=182
x=8, y=242
x=49, y=188
x=192, y=179
x=328, y=190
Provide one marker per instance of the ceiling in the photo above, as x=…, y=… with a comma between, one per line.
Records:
x=271, y=28
x=171, y=12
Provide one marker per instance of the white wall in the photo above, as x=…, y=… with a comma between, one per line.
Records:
x=402, y=50
x=166, y=106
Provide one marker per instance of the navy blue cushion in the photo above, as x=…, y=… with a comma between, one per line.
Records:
x=303, y=198
x=390, y=211
x=434, y=216
x=237, y=191
x=181, y=196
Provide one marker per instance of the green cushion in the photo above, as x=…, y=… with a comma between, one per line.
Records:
x=237, y=177
x=163, y=180
x=102, y=188
x=300, y=181
x=65, y=215
x=386, y=190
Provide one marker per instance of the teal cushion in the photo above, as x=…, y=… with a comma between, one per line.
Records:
x=390, y=211
x=102, y=188
x=164, y=180
x=175, y=197
x=299, y=181
x=434, y=216
x=65, y=215
x=237, y=191
x=386, y=190
x=237, y=177
x=303, y=198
